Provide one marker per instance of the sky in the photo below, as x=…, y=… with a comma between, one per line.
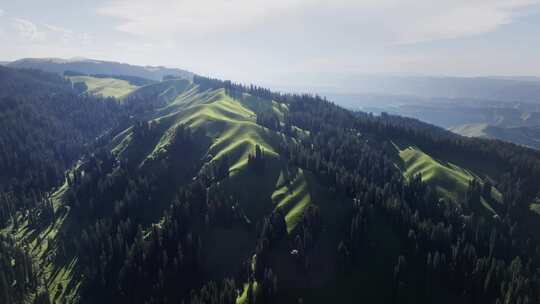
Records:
x=295, y=42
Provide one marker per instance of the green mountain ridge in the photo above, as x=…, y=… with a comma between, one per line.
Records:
x=205, y=191
x=232, y=132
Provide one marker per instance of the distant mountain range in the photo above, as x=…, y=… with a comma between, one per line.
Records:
x=91, y=66
x=508, y=121
x=517, y=78
x=498, y=88
x=525, y=136
x=498, y=107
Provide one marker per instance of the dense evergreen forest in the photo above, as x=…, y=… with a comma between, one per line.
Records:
x=226, y=193
x=46, y=126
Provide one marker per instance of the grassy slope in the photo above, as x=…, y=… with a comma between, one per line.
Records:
x=448, y=179
x=229, y=125
x=230, y=122
x=292, y=197
x=107, y=87
x=41, y=243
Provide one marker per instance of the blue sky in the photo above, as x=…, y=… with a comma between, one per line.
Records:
x=298, y=42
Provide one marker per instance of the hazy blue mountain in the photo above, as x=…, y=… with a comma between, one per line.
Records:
x=511, y=121
x=525, y=136
x=516, y=89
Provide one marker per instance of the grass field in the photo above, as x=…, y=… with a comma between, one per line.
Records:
x=106, y=87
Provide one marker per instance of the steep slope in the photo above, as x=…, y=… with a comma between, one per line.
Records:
x=230, y=124
x=207, y=191
x=225, y=133
x=46, y=126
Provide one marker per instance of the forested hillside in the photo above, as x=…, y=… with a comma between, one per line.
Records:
x=98, y=67
x=207, y=191
x=46, y=126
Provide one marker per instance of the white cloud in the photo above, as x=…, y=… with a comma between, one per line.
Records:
x=458, y=19
x=280, y=40
x=28, y=31
x=1, y=12
x=66, y=35
x=147, y=17
x=286, y=40
x=57, y=29
x=404, y=21
x=32, y=33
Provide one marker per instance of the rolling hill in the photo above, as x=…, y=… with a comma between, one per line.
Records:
x=207, y=191
x=525, y=136
x=91, y=67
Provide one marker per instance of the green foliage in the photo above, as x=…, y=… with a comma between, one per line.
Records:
x=17, y=273
x=279, y=197
x=50, y=127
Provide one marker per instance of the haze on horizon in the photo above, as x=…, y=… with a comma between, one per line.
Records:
x=293, y=43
